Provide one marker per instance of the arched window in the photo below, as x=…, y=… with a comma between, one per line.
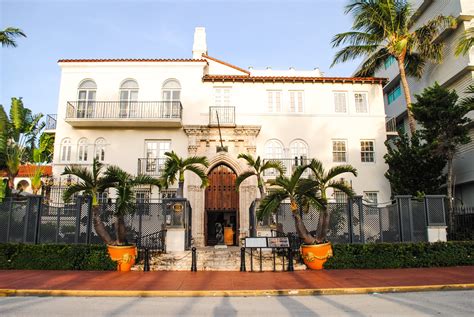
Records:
x=273, y=149
x=100, y=149
x=128, y=98
x=171, y=92
x=86, y=98
x=298, y=149
x=66, y=150
x=82, y=150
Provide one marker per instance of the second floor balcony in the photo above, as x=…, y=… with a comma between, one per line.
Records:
x=223, y=116
x=124, y=113
x=288, y=164
x=391, y=127
x=151, y=166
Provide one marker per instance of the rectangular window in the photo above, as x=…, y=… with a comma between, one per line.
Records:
x=339, y=151
x=340, y=197
x=155, y=154
x=340, y=102
x=360, y=99
x=371, y=198
x=367, y=151
x=222, y=97
x=389, y=61
x=66, y=153
x=274, y=100
x=296, y=101
x=393, y=94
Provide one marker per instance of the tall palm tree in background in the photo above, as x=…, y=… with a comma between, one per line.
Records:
x=8, y=35
x=465, y=42
x=175, y=167
x=322, y=181
x=257, y=169
x=124, y=184
x=381, y=29
x=92, y=183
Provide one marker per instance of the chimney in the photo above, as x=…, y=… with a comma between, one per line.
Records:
x=199, y=45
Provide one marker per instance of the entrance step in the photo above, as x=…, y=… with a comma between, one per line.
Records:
x=211, y=259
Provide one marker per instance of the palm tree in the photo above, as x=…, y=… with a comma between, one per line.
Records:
x=124, y=184
x=257, y=170
x=91, y=183
x=300, y=195
x=175, y=167
x=382, y=29
x=304, y=193
x=7, y=36
x=322, y=182
x=465, y=42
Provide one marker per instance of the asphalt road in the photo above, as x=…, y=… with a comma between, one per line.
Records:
x=450, y=303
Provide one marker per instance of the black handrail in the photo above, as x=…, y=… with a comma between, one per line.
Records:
x=153, y=242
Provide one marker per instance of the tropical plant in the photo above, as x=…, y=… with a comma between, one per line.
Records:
x=384, y=29
x=36, y=178
x=305, y=193
x=445, y=126
x=257, y=169
x=413, y=166
x=124, y=184
x=8, y=35
x=466, y=41
x=175, y=167
x=92, y=183
x=18, y=137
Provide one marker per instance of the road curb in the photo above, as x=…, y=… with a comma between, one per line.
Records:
x=233, y=293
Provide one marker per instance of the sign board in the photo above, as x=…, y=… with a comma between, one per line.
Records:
x=256, y=242
x=278, y=242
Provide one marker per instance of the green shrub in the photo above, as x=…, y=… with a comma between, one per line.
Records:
x=401, y=255
x=55, y=257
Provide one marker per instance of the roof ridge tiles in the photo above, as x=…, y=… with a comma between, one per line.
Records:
x=100, y=60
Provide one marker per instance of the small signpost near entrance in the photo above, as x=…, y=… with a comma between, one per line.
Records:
x=273, y=243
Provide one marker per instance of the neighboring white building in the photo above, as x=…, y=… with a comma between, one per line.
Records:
x=129, y=112
x=454, y=73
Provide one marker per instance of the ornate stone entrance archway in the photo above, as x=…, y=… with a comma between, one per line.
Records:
x=221, y=218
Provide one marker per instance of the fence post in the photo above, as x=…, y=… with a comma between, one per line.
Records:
x=290, y=260
x=358, y=200
x=89, y=219
x=242, y=260
x=400, y=220
x=349, y=218
x=78, y=219
x=38, y=219
x=10, y=211
x=380, y=223
x=27, y=215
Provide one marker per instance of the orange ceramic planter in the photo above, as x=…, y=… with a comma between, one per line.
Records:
x=124, y=255
x=315, y=255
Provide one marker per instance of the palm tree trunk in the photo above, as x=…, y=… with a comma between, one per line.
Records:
x=324, y=226
x=406, y=92
x=449, y=184
x=260, y=187
x=180, y=191
x=99, y=226
x=120, y=230
x=319, y=229
x=299, y=225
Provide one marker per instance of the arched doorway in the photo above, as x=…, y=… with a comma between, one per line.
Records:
x=221, y=206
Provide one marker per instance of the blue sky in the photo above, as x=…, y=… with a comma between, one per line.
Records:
x=256, y=33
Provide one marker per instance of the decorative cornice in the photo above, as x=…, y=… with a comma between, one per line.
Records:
x=205, y=131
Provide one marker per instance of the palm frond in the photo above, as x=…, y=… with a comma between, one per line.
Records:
x=352, y=52
x=469, y=100
x=74, y=189
x=146, y=180
x=7, y=36
x=200, y=173
x=373, y=63
x=270, y=203
x=248, y=158
x=243, y=177
x=465, y=42
x=200, y=160
x=338, y=170
x=276, y=164
x=80, y=172
x=414, y=65
x=342, y=186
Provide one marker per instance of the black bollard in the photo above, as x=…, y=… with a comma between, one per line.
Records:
x=242, y=260
x=146, y=263
x=193, y=264
x=290, y=261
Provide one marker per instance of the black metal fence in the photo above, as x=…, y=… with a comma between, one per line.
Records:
x=463, y=227
x=406, y=220
x=34, y=220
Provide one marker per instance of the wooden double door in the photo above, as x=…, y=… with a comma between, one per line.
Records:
x=221, y=205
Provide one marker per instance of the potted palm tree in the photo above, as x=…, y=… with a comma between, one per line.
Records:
x=175, y=167
x=302, y=194
x=92, y=182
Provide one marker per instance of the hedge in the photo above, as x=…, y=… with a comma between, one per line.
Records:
x=55, y=257
x=401, y=255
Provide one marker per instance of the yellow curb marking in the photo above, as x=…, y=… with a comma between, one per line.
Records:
x=222, y=293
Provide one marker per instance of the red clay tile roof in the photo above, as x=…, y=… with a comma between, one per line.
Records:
x=238, y=78
x=225, y=63
x=29, y=170
x=131, y=60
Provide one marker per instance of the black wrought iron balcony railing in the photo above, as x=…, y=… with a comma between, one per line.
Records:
x=289, y=165
x=225, y=115
x=51, y=120
x=124, y=110
x=151, y=166
x=391, y=126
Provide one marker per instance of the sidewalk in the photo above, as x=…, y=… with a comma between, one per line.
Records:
x=87, y=283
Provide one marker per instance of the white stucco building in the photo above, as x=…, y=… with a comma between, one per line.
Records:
x=128, y=112
x=454, y=73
